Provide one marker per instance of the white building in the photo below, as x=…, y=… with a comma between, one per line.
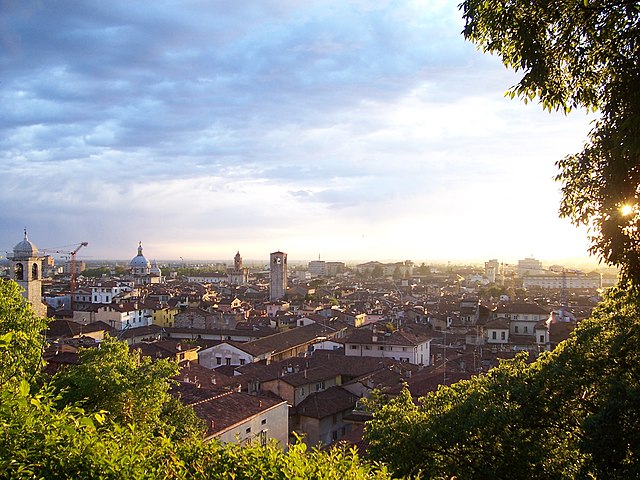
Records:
x=317, y=268
x=225, y=353
x=125, y=316
x=529, y=266
x=106, y=292
x=398, y=345
x=568, y=280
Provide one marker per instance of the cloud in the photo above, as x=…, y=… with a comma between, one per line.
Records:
x=203, y=125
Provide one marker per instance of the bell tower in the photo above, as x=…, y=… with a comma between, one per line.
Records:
x=278, y=275
x=26, y=271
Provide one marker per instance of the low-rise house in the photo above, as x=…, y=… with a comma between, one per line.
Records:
x=66, y=329
x=163, y=314
x=469, y=311
x=522, y=317
x=108, y=291
x=321, y=416
x=236, y=417
x=122, y=316
x=225, y=353
x=199, y=318
x=497, y=331
x=135, y=335
x=290, y=343
x=296, y=387
x=238, y=334
x=398, y=345
x=172, y=349
x=192, y=372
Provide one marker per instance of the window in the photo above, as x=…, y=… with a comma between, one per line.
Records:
x=494, y=335
x=263, y=438
x=381, y=347
x=218, y=360
x=263, y=422
x=526, y=329
x=353, y=347
x=248, y=430
x=19, y=271
x=541, y=338
x=242, y=361
x=228, y=361
x=367, y=347
x=515, y=329
x=503, y=336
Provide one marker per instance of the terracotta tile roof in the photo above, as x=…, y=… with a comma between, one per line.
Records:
x=282, y=341
x=523, y=308
x=399, y=337
x=222, y=409
x=192, y=372
x=498, y=323
x=328, y=402
x=309, y=375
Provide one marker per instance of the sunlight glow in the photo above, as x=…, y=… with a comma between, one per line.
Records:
x=626, y=210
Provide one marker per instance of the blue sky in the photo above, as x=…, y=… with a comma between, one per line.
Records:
x=353, y=130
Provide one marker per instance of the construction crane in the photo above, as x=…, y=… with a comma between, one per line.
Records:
x=72, y=280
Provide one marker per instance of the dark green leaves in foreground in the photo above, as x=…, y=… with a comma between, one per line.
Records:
x=574, y=413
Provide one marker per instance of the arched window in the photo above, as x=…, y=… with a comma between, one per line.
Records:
x=19, y=271
x=34, y=271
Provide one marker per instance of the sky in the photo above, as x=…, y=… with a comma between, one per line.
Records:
x=341, y=130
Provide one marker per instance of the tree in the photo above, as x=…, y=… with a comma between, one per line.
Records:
x=23, y=333
x=573, y=413
x=377, y=272
x=582, y=53
x=397, y=273
x=133, y=389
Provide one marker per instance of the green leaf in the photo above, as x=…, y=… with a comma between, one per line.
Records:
x=24, y=388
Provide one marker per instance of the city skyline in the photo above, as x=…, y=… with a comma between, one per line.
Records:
x=349, y=130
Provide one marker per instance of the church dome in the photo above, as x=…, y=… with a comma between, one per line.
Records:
x=139, y=261
x=25, y=248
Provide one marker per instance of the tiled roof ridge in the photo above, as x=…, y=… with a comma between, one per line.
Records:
x=215, y=397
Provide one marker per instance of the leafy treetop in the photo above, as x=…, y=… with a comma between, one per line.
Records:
x=580, y=53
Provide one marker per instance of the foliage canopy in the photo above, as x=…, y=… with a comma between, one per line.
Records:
x=22, y=331
x=582, y=53
x=571, y=414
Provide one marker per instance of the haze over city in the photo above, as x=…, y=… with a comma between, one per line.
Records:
x=351, y=130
